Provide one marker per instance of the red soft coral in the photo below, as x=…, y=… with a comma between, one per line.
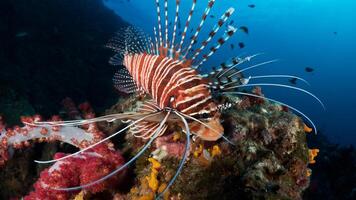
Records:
x=78, y=170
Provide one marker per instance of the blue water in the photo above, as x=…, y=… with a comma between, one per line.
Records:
x=298, y=32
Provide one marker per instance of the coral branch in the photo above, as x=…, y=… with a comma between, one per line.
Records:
x=19, y=137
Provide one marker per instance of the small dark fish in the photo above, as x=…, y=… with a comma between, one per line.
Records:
x=232, y=46
x=252, y=5
x=180, y=33
x=335, y=33
x=241, y=45
x=244, y=29
x=309, y=69
x=293, y=81
x=170, y=23
x=212, y=16
x=231, y=22
x=191, y=30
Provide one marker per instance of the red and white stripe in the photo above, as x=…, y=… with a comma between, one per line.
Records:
x=164, y=77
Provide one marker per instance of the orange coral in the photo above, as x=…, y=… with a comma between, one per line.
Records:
x=312, y=154
x=152, y=179
x=215, y=151
x=176, y=137
x=307, y=129
x=198, y=151
x=161, y=189
x=309, y=172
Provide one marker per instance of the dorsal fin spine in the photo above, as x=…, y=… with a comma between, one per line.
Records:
x=156, y=39
x=166, y=22
x=159, y=24
x=175, y=24
x=152, y=47
x=148, y=44
x=206, y=12
x=187, y=25
x=220, y=23
x=221, y=41
x=220, y=73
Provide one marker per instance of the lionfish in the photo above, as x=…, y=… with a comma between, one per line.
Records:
x=166, y=70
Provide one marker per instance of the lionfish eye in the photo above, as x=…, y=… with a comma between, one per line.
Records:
x=205, y=115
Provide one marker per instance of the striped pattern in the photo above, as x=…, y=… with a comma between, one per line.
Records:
x=187, y=25
x=212, y=33
x=145, y=129
x=206, y=13
x=170, y=79
x=159, y=23
x=221, y=41
x=166, y=21
x=161, y=69
x=175, y=23
x=156, y=40
x=168, y=76
x=164, y=78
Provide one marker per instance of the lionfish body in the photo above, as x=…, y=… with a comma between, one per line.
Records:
x=174, y=84
x=166, y=71
x=162, y=71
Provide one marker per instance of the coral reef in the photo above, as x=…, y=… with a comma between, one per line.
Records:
x=268, y=161
x=268, y=158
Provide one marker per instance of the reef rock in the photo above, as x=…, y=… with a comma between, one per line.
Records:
x=268, y=159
